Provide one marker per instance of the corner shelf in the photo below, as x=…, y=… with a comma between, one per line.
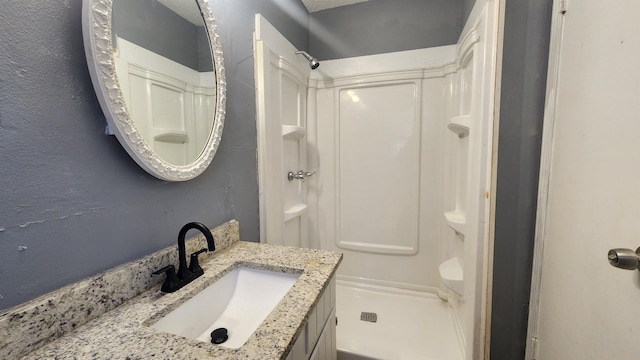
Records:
x=294, y=211
x=452, y=275
x=290, y=132
x=457, y=220
x=460, y=125
x=170, y=136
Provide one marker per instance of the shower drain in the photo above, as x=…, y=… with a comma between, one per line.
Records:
x=369, y=316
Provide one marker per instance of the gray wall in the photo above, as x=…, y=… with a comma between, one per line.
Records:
x=72, y=195
x=205, y=63
x=153, y=26
x=524, y=75
x=467, y=6
x=382, y=26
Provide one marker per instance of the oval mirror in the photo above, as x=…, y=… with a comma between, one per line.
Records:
x=158, y=71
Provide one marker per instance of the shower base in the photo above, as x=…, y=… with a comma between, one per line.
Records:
x=410, y=325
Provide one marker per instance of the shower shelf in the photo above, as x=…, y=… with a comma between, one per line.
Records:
x=294, y=211
x=456, y=220
x=460, y=125
x=452, y=276
x=291, y=132
x=170, y=136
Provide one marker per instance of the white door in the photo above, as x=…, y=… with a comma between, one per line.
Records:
x=281, y=82
x=589, y=309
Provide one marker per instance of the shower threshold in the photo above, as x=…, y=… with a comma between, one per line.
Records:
x=409, y=324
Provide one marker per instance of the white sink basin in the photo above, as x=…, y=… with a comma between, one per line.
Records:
x=239, y=302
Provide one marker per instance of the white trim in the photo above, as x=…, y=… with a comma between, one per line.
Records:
x=466, y=45
x=397, y=61
x=497, y=89
x=259, y=50
x=407, y=75
x=546, y=156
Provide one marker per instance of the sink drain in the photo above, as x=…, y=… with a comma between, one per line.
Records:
x=219, y=335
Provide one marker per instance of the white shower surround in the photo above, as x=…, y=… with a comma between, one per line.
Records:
x=449, y=102
x=382, y=207
x=176, y=133
x=449, y=230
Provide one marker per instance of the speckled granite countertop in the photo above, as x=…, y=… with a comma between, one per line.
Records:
x=122, y=333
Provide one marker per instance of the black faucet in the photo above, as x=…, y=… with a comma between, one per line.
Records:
x=186, y=274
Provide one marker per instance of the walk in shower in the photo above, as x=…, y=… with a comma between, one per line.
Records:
x=398, y=149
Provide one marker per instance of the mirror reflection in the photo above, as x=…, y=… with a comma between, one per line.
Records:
x=163, y=63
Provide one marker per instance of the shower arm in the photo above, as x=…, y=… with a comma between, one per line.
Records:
x=313, y=62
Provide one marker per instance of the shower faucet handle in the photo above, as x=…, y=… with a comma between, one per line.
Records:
x=300, y=175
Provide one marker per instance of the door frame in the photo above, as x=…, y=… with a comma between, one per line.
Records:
x=546, y=157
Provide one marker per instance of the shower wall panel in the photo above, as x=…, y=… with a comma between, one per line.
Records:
x=378, y=130
x=281, y=84
x=170, y=103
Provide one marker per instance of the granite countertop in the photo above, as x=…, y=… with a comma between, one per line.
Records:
x=122, y=333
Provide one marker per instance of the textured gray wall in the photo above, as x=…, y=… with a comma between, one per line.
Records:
x=524, y=75
x=382, y=26
x=72, y=195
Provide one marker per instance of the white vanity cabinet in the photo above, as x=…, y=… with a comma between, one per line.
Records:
x=318, y=339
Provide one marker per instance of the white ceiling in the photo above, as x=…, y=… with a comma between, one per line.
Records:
x=317, y=5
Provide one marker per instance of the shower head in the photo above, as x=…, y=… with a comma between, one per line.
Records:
x=313, y=62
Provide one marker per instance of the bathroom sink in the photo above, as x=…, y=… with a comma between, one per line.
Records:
x=239, y=301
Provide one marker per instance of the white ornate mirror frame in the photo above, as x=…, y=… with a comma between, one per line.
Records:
x=97, y=27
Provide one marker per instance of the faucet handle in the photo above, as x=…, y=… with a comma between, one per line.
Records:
x=171, y=282
x=194, y=265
